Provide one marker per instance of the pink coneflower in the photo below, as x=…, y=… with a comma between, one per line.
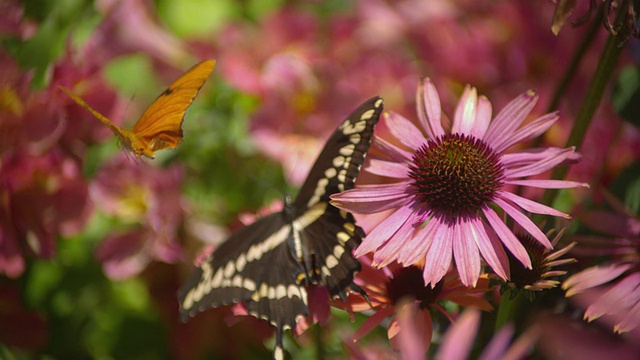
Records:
x=610, y=290
x=394, y=287
x=449, y=184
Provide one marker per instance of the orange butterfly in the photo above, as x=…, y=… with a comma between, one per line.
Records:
x=160, y=126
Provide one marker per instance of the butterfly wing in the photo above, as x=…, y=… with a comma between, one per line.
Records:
x=254, y=266
x=338, y=165
x=329, y=241
x=267, y=264
x=160, y=126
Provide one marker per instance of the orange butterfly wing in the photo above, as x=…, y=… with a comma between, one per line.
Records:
x=160, y=126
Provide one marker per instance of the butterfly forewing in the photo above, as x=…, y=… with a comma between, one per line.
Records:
x=267, y=265
x=160, y=126
x=339, y=163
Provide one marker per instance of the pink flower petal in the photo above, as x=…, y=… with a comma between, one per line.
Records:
x=390, y=169
x=612, y=223
x=508, y=238
x=403, y=239
x=465, y=114
x=509, y=119
x=438, y=259
x=412, y=338
x=531, y=206
x=525, y=222
x=531, y=130
x=457, y=341
x=528, y=156
x=404, y=130
x=465, y=253
x=417, y=249
x=499, y=344
x=483, y=118
x=390, y=150
x=385, y=231
x=372, y=321
x=547, y=184
x=428, y=109
x=541, y=166
x=368, y=199
x=491, y=248
x=592, y=277
x=618, y=299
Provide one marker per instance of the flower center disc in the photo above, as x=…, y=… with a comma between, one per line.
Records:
x=456, y=174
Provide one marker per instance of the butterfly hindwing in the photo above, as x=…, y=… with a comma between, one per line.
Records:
x=268, y=264
x=160, y=126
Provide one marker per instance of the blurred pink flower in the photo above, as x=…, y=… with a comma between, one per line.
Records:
x=610, y=289
x=308, y=75
x=392, y=288
x=459, y=339
x=447, y=180
x=131, y=27
x=149, y=200
x=40, y=197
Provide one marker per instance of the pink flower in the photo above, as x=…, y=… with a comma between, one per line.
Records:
x=447, y=185
x=40, y=197
x=610, y=290
x=148, y=199
x=458, y=340
x=395, y=291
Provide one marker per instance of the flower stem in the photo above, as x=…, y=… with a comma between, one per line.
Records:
x=593, y=97
x=510, y=308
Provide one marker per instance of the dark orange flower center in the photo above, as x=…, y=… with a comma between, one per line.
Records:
x=456, y=174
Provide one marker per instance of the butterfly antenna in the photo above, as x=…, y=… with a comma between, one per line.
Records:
x=103, y=119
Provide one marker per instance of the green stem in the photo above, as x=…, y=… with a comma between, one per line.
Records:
x=573, y=66
x=593, y=97
x=511, y=308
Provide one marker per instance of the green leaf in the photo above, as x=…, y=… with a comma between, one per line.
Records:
x=626, y=95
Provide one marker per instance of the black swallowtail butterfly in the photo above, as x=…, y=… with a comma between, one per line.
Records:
x=268, y=264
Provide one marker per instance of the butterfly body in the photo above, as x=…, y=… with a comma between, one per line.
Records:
x=160, y=126
x=269, y=264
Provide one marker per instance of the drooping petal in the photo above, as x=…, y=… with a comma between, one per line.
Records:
x=465, y=253
x=417, y=249
x=491, y=248
x=403, y=238
x=368, y=199
x=509, y=119
x=438, y=259
x=592, y=277
x=385, y=230
x=620, y=297
x=412, y=338
x=457, y=341
x=531, y=206
x=508, y=238
x=524, y=221
x=465, y=114
x=428, y=108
